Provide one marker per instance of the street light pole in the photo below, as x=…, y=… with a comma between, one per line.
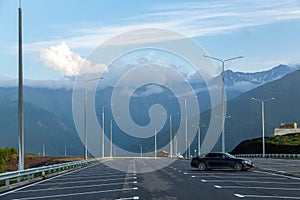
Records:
x=85, y=126
x=263, y=121
x=171, y=136
x=199, y=136
x=102, y=132
x=85, y=121
x=20, y=98
x=155, y=143
x=141, y=150
x=110, y=150
x=186, y=137
x=223, y=95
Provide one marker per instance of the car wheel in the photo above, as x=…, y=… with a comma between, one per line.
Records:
x=202, y=166
x=238, y=166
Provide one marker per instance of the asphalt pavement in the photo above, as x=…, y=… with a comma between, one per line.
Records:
x=175, y=181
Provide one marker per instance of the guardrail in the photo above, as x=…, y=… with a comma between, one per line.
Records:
x=9, y=178
x=297, y=156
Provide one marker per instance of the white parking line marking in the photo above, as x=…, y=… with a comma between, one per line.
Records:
x=235, y=178
x=48, y=179
x=238, y=195
x=262, y=196
x=263, y=182
x=247, y=187
x=86, y=181
x=75, y=194
x=134, y=198
x=93, y=177
x=72, y=187
x=281, y=175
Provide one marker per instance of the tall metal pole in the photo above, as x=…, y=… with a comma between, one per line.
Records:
x=85, y=127
x=263, y=121
x=155, y=144
x=223, y=109
x=43, y=149
x=171, y=136
x=175, y=140
x=223, y=95
x=102, y=132
x=141, y=146
x=110, y=150
x=198, y=140
x=263, y=126
x=186, y=137
x=65, y=150
x=20, y=102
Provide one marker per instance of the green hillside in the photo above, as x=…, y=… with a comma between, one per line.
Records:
x=287, y=144
x=5, y=154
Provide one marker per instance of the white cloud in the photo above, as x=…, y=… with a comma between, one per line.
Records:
x=60, y=58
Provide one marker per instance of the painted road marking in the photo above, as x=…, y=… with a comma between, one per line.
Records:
x=48, y=179
x=262, y=196
x=264, y=182
x=72, y=187
x=247, y=187
x=81, y=193
x=87, y=181
x=134, y=198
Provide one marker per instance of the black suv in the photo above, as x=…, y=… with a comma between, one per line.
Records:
x=220, y=160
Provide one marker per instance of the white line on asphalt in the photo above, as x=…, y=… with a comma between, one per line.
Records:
x=94, y=177
x=281, y=175
x=134, y=198
x=86, y=181
x=235, y=178
x=72, y=187
x=260, y=182
x=75, y=194
x=247, y=187
x=48, y=179
x=238, y=195
x=262, y=196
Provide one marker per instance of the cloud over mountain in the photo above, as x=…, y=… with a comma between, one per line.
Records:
x=62, y=59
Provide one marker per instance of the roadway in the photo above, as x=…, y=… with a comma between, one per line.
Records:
x=176, y=181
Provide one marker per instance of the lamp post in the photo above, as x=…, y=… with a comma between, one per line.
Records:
x=85, y=120
x=171, y=133
x=102, y=138
x=141, y=146
x=65, y=150
x=85, y=126
x=186, y=124
x=199, y=137
x=263, y=120
x=110, y=150
x=155, y=143
x=223, y=94
x=43, y=152
x=20, y=95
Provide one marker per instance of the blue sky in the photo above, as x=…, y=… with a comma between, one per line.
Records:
x=265, y=32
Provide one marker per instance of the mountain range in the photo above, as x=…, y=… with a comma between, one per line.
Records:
x=49, y=121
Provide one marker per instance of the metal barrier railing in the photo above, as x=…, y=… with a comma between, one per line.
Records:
x=18, y=176
x=297, y=156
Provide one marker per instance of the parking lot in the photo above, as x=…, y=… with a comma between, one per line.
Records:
x=176, y=181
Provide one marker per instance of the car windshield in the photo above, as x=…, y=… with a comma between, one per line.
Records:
x=229, y=155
